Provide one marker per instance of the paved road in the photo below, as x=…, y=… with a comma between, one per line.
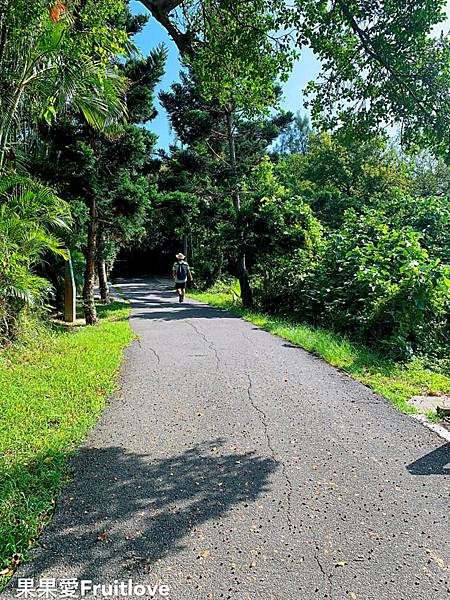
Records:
x=234, y=465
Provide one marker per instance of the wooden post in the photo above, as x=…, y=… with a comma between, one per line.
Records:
x=70, y=294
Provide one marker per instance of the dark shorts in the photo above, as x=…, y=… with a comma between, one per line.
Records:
x=180, y=286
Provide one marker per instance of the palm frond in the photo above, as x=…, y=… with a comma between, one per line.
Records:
x=29, y=212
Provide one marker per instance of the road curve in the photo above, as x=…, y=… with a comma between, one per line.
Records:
x=234, y=465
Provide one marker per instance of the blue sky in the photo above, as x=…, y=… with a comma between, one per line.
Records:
x=153, y=34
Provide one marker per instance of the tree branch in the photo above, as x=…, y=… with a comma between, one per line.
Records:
x=372, y=52
x=161, y=10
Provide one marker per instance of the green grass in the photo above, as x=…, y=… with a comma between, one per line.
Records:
x=52, y=390
x=396, y=381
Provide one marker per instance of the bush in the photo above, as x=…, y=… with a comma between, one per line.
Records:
x=381, y=285
x=430, y=216
x=283, y=238
x=281, y=280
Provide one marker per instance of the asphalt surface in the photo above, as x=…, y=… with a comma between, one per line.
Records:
x=234, y=465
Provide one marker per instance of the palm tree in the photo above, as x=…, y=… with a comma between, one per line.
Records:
x=30, y=215
x=44, y=69
x=55, y=59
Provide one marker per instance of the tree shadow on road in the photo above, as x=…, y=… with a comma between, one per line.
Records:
x=161, y=304
x=136, y=509
x=187, y=311
x=436, y=462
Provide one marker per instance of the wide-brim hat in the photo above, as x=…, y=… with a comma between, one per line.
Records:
x=180, y=255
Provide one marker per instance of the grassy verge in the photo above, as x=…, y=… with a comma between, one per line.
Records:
x=396, y=381
x=52, y=390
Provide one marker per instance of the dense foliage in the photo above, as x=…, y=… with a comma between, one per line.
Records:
x=73, y=88
x=381, y=63
x=31, y=216
x=377, y=281
x=54, y=57
x=380, y=271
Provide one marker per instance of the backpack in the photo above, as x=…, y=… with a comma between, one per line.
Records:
x=182, y=272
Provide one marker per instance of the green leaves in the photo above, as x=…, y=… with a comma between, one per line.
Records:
x=376, y=280
x=380, y=65
x=50, y=62
x=237, y=56
x=30, y=214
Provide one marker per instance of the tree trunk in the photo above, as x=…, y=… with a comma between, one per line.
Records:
x=101, y=269
x=244, y=280
x=70, y=293
x=103, y=282
x=191, y=248
x=90, y=314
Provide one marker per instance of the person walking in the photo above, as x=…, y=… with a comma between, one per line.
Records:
x=181, y=273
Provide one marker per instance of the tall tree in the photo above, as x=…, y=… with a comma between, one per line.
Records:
x=107, y=172
x=203, y=167
x=235, y=58
x=380, y=62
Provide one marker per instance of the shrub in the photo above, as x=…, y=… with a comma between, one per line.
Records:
x=430, y=216
x=380, y=284
x=289, y=241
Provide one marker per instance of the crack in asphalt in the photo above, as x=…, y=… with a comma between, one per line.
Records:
x=327, y=576
x=263, y=419
x=158, y=358
x=210, y=344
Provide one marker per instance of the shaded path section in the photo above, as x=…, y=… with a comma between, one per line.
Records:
x=233, y=465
